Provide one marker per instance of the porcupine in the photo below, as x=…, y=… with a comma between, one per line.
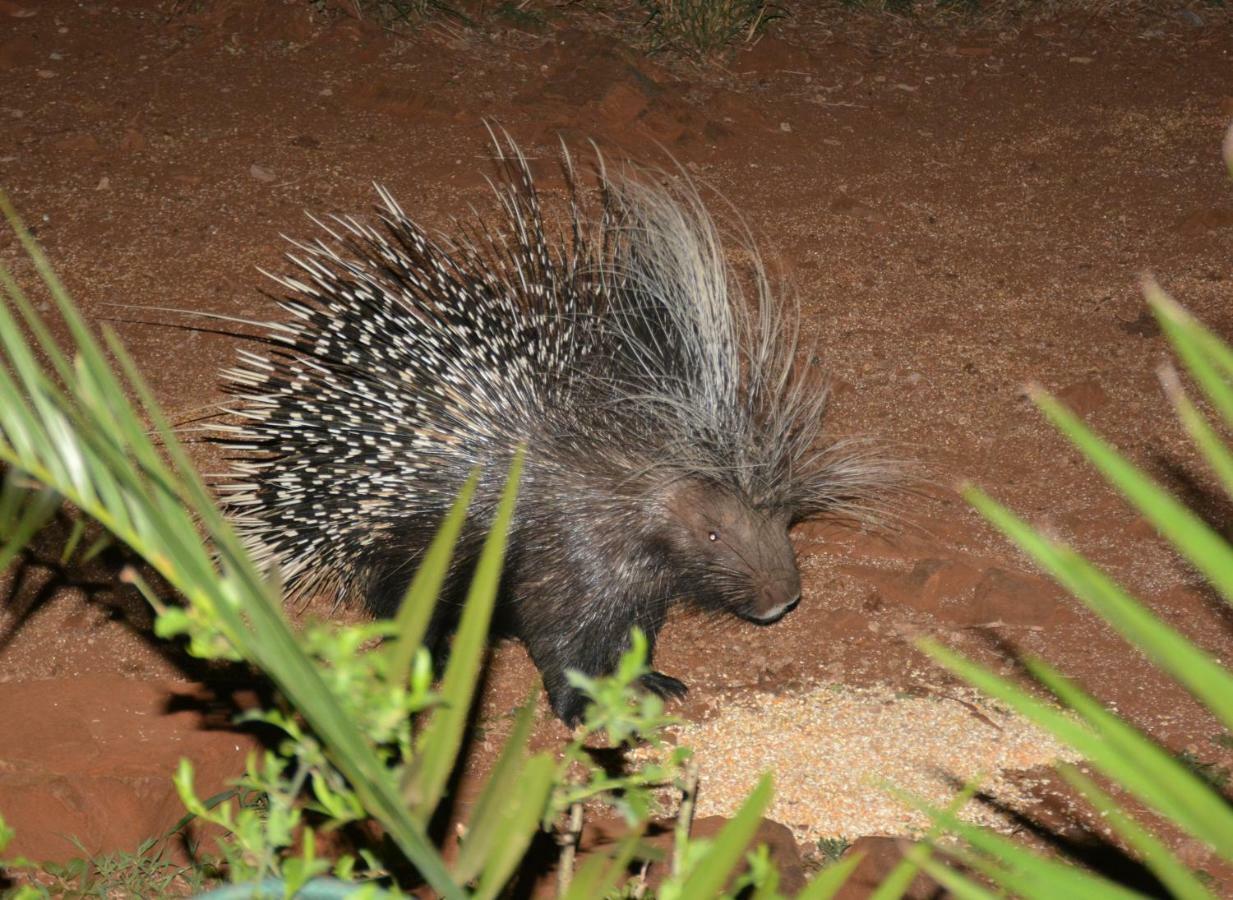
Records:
x=673, y=431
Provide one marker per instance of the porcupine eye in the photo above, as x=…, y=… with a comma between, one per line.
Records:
x=753, y=571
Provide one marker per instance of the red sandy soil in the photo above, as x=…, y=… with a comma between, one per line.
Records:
x=962, y=209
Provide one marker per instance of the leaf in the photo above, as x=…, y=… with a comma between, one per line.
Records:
x=727, y=851
x=90, y=444
x=23, y=512
x=1205, y=549
x=896, y=884
x=1209, y=681
x=827, y=883
x=1016, y=868
x=1201, y=431
x=520, y=821
x=960, y=886
x=425, y=780
x=1207, y=358
x=500, y=791
x=1172, y=872
x=600, y=874
x=421, y=596
x=1117, y=749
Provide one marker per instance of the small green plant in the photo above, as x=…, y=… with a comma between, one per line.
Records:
x=899, y=7
x=520, y=15
x=706, y=27
x=401, y=14
x=830, y=849
x=620, y=716
x=146, y=872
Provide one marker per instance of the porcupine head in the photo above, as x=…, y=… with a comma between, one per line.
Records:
x=673, y=424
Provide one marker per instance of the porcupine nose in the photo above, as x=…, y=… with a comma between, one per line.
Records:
x=778, y=598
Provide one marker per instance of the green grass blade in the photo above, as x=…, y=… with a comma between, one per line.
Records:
x=1207, y=815
x=1182, y=883
x=1226, y=150
x=499, y=792
x=101, y=543
x=1015, y=868
x=18, y=299
x=827, y=883
x=1205, y=549
x=421, y=596
x=769, y=888
x=23, y=512
x=84, y=454
x=17, y=422
x=520, y=820
x=426, y=778
x=1031, y=883
x=15, y=492
x=100, y=383
x=601, y=874
x=896, y=884
x=32, y=404
x=1117, y=749
x=898, y=880
x=727, y=851
x=70, y=546
x=1207, y=358
x=960, y=886
x=1201, y=432
x=98, y=404
x=1206, y=678
x=183, y=480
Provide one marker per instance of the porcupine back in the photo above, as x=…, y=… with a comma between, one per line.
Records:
x=673, y=430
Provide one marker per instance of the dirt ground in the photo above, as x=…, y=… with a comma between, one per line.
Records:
x=961, y=207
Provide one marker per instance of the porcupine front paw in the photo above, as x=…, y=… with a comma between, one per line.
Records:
x=569, y=704
x=664, y=685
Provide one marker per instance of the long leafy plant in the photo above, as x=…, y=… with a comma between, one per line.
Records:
x=1134, y=765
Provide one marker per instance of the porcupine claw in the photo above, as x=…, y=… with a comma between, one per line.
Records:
x=664, y=685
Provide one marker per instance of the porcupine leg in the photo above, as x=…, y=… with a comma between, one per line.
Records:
x=664, y=685
x=593, y=649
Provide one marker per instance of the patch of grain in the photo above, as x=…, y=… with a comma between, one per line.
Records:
x=832, y=751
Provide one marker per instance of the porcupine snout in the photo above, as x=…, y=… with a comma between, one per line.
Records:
x=777, y=595
x=775, y=580
x=747, y=560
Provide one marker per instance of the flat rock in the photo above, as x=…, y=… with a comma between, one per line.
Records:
x=880, y=855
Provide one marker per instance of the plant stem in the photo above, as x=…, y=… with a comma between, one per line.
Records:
x=685, y=817
x=569, y=849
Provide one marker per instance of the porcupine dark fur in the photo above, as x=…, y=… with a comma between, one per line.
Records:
x=673, y=426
